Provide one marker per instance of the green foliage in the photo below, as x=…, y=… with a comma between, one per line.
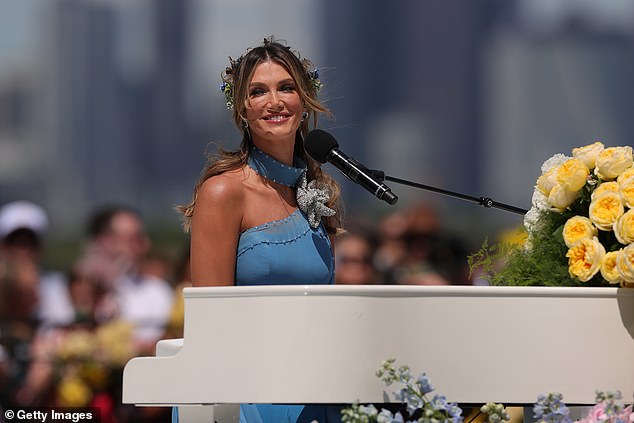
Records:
x=542, y=263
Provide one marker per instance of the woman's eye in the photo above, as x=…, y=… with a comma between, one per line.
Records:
x=256, y=92
x=288, y=88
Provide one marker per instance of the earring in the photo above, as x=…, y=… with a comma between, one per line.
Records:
x=245, y=123
x=304, y=116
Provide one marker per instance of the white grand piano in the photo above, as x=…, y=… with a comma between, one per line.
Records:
x=323, y=344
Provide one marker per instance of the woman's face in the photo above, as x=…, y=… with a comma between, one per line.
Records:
x=274, y=106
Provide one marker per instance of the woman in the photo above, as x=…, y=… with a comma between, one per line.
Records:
x=266, y=213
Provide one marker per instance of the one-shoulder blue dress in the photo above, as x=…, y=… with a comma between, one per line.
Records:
x=284, y=252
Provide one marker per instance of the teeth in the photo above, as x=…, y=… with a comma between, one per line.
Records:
x=275, y=117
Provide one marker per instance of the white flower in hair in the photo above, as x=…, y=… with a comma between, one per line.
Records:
x=311, y=199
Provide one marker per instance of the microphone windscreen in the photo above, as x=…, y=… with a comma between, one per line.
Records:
x=319, y=143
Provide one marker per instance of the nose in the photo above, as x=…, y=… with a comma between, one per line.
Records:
x=275, y=100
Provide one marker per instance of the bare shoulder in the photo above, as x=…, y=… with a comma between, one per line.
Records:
x=225, y=188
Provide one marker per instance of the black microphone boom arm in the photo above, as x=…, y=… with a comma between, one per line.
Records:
x=483, y=201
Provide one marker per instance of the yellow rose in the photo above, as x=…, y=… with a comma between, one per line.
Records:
x=627, y=174
x=578, y=228
x=613, y=161
x=604, y=187
x=605, y=210
x=608, y=267
x=573, y=174
x=626, y=189
x=584, y=259
x=588, y=154
x=624, y=227
x=625, y=264
x=547, y=181
x=560, y=197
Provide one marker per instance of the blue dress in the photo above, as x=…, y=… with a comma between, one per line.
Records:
x=283, y=252
x=286, y=251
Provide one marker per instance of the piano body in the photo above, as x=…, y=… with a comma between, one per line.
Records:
x=323, y=344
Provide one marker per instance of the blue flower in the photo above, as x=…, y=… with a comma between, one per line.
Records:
x=454, y=411
x=414, y=402
x=424, y=384
x=314, y=79
x=400, y=395
x=551, y=408
x=227, y=90
x=439, y=403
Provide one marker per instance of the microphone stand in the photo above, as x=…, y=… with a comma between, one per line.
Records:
x=483, y=201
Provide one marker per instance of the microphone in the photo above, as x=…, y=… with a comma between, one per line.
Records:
x=323, y=147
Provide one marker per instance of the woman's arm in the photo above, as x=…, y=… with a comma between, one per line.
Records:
x=215, y=231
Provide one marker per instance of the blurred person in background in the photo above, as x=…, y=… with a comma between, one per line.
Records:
x=158, y=264
x=84, y=295
x=354, y=252
x=19, y=323
x=113, y=258
x=418, y=227
x=432, y=256
x=391, y=250
x=448, y=258
x=32, y=300
x=23, y=226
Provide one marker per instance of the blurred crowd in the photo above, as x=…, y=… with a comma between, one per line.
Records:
x=66, y=334
x=408, y=247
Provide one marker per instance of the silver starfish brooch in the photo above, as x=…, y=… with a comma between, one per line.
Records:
x=311, y=198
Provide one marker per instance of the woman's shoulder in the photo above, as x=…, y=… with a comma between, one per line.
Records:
x=226, y=187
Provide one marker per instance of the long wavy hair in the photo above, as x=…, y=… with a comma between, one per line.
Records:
x=238, y=75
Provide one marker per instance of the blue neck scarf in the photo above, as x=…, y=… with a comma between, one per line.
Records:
x=311, y=197
x=273, y=170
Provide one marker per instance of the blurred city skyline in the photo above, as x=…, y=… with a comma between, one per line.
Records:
x=115, y=101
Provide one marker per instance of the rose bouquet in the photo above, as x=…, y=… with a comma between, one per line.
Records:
x=580, y=228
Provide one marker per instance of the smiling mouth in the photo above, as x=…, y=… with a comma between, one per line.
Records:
x=276, y=118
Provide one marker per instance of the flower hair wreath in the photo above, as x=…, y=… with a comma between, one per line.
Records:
x=227, y=84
